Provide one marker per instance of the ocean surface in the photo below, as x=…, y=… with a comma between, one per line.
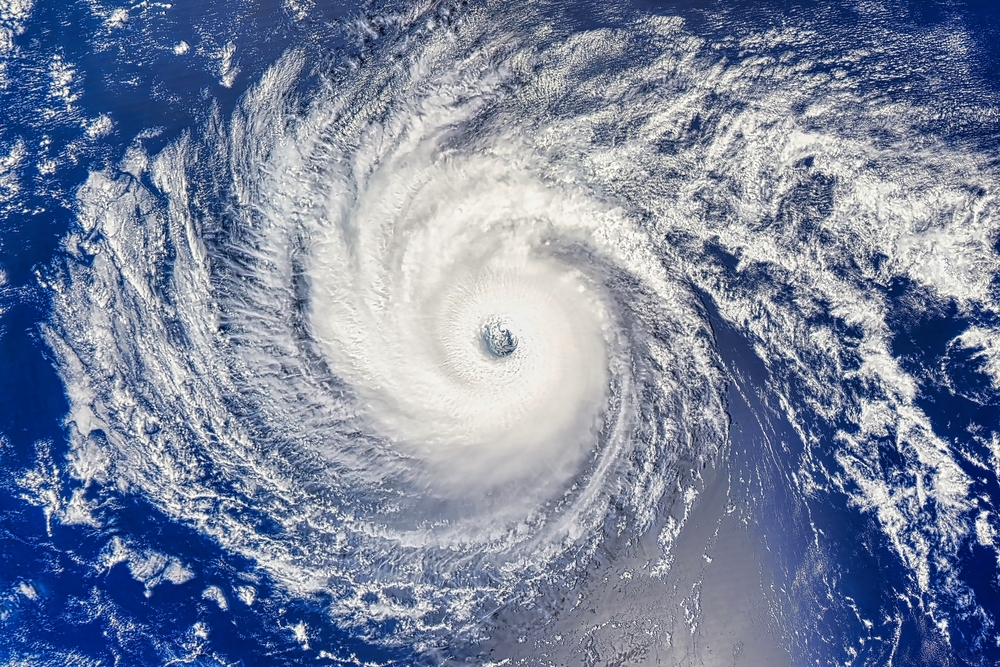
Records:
x=510, y=333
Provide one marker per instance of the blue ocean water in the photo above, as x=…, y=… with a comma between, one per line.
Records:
x=795, y=527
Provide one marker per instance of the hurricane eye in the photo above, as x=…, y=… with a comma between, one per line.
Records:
x=498, y=339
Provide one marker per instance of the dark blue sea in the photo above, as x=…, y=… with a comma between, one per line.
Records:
x=499, y=333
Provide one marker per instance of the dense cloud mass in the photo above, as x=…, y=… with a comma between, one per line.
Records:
x=431, y=332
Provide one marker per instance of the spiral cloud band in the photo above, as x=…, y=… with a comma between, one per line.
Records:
x=434, y=323
x=409, y=343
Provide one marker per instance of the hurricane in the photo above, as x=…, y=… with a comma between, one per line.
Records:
x=439, y=330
